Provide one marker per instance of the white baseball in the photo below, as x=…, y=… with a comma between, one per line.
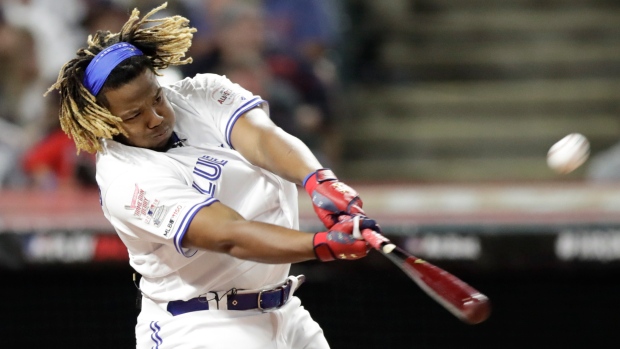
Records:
x=568, y=153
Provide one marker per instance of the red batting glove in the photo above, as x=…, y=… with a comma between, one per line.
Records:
x=339, y=242
x=331, y=198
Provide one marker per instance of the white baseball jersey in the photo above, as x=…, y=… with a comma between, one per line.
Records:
x=151, y=197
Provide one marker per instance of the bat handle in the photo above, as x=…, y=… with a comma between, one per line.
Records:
x=378, y=241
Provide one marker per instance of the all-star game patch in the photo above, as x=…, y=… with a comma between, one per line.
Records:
x=151, y=211
x=223, y=95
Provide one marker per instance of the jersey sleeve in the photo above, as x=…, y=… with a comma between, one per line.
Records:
x=155, y=208
x=220, y=101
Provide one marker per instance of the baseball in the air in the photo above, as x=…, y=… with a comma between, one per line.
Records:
x=568, y=153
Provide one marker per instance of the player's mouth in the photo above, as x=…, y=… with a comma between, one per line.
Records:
x=164, y=134
x=161, y=138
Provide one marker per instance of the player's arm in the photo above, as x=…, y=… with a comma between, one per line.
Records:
x=265, y=145
x=221, y=229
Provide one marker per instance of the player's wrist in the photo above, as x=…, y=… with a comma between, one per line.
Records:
x=321, y=248
x=317, y=177
x=335, y=244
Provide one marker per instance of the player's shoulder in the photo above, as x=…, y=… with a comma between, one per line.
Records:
x=117, y=161
x=197, y=82
x=115, y=153
x=191, y=92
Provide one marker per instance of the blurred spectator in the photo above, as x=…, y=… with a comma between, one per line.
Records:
x=239, y=47
x=21, y=88
x=53, y=26
x=204, y=16
x=104, y=15
x=239, y=38
x=21, y=105
x=302, y=38
x=307, y=29
x=53, y=162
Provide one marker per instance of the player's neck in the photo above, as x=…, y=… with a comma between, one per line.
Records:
x=173, y=142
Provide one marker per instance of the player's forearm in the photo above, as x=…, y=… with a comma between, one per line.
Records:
x=221, y=229
x=287, y=156
x=267, y=243
x=255, y=241
x=265, y=145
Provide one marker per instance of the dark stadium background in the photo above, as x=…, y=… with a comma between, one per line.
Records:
x=553, y=283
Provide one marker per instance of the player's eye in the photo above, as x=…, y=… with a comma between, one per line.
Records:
x=158, y=99
x=131, y=117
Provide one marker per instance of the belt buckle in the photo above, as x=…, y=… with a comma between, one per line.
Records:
x=285, y=291
x=260, y=295
x=282, y=289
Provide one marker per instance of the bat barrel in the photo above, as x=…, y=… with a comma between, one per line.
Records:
x=462, y=300
x=476, y=310
x=467, y=303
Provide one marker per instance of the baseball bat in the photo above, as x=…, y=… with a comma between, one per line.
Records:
x=462, y=300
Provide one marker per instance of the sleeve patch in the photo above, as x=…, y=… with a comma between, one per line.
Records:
x=173, y=218
x=139, y=202
x=151, y=211
x=223, y=95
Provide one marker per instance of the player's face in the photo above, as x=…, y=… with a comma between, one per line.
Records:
x=147, y=115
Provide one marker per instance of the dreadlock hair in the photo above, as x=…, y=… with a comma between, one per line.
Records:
x=84, y=117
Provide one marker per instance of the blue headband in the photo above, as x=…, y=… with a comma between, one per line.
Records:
x=104, y=62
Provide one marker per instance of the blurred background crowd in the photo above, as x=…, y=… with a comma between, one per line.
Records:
x=398, y=90
x=285, y=51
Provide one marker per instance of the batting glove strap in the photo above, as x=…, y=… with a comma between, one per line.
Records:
x=330, y=197
x=319, y=176
x=332, y=245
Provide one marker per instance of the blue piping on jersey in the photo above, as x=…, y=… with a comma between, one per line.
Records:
x=231, y=122
x=180, y=233
x=155, y=335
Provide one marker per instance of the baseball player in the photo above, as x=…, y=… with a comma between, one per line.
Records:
x=201, y=187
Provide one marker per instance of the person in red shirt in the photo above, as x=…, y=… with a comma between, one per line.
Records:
x=53, y=162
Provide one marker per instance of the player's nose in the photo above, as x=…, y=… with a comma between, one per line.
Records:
x=154, y=118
